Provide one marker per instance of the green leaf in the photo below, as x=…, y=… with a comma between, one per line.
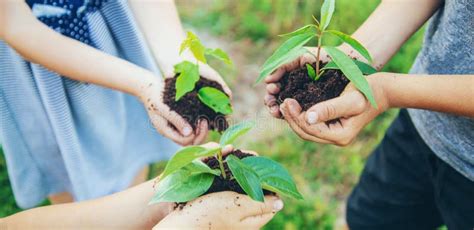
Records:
x=311, y=71
x=197, y=167
x=327, y=10
x=352, y=72
x=288, y=51
x=273, y=176
x=182, y=186
x=303, y=30
x=246, y=177
x=193, y=43
x=219, y=54
x=229, y=136
x=185, y=156
x=215, y=99
x=364, y=67
x=352, y=42
x=187, y=78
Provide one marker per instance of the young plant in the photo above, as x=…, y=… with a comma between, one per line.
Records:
x=293, y=48
x=188, y=74
x=186, y=177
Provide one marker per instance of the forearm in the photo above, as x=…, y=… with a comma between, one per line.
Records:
x=442, y=93
x=68, y=57
x=390, y=25
x=159, y=21
x=125, y=210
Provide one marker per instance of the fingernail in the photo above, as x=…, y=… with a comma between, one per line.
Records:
x=187, y=131
x=312, y=117
x=278, y=205
x=274, y=108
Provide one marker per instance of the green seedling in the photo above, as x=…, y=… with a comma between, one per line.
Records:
x=293, y=47
x=188, y=74
x=186, y=177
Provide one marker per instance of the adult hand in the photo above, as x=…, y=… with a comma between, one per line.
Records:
x=351, y=108
x=272, y=85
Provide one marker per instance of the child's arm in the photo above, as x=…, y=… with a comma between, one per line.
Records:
x=444, y=93
x=68, y=57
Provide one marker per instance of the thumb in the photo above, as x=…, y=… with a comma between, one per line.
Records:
x=348, y=104
x=257, y=214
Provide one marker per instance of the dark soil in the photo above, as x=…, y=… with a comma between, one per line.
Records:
x=191, y=108
x=298, y=85
x=220, y=184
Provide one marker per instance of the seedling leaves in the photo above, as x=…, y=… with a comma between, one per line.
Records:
x=364, y=67
x=352, y=72
x=193, y=43
x=197, y=167
x=288, y=51
x=327, y=10
x=352, y=42
x=185, y=156
x=273, y=176
x=215, y=99
x=182, y=186
x=219, y=54
x=311, y=71
x=187, y=78
x=235, y=131
x=246, y=177
x=303, y=30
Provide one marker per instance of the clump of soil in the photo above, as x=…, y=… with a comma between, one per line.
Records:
x=298, y=85
x=220, y=184
x=191, y=108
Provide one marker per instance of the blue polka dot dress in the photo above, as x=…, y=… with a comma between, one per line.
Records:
x=60, y=135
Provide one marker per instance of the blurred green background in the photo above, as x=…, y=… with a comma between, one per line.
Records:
x=247, y=29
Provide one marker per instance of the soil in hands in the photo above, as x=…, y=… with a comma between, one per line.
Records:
x=191, y=108
x=298, y=85
x=220, y=184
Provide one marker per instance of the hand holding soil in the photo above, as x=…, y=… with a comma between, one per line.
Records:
x=351, y=110
x=222, y=210
x=167, y=122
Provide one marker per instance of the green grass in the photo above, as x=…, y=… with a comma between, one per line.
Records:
x=325, y=174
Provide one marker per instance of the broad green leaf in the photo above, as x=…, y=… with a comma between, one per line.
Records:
x=229, y=136
x=197, y=167
x=182, y=186
x=311, y=71
x=352, y=72
x=288, y=51
x=187, y=78
x=215, y=99
x=352, y=42
x=219, y=54
x=246, y=177
x=364, y=67
x=193, y=43
x=185, y=156
x=273, y=176
x=305, y=29
x=327, y=10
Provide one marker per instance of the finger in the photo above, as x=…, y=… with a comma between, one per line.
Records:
x=346, y=105
x=210, y=145
x=227, y=149
x=271, y=103
x=201, y=132
x=296, y=128
x=211, y=74
x=273, y=88
x=276, y=76
x=162, y=126
x=176, y=120
x=257, y=221
x=254, y=208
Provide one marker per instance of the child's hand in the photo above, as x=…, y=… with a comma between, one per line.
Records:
x=273, y=87
x=222, y=210
x=169, y=123
x=351, y=108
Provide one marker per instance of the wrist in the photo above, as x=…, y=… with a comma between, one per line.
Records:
x=144, y=83
x=380, y=83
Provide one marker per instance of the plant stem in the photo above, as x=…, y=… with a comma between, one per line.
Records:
x=221, y=164
x=320, y=38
